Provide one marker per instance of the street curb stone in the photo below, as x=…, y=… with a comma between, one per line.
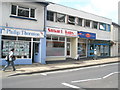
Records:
x=57, y=69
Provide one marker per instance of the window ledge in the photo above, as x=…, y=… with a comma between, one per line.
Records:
x=23, y=18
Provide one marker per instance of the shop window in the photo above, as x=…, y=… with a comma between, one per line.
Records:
x=22, y=48
x=62, y=38
x=55, y=48
x=48, y=37
x=71, y=20
x=79, y=21
x=9, y=37
x=68, y=39
x=87, y=23
x=36, y=39
x=91, y=46
x=81, y=40
x=50, y=16
x=102, y=26
x=95, y=25
x=22, y=11
x=24, y=38
x=54, y=37
x=82, y=49
x=60, y=17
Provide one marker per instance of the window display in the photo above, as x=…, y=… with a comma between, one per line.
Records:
x=82, y=49
x=55, y=46
x=22, y=48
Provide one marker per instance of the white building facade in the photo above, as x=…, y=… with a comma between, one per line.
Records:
x=115, y=36
x=72, y=32
x=40, y=32
x=22, y=28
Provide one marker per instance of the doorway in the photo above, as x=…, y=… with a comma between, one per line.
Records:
x=35, y=52
x=91, y=48
x=68, y=53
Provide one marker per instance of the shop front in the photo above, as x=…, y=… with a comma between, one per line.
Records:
x=83, y=44
x=87, y=43
x=27, y=45
x=82, y=47
x=102, y=47
x=60, y=44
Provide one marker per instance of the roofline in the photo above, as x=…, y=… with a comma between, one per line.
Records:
x=113, y=23
x=45, y=3
x=81, y=10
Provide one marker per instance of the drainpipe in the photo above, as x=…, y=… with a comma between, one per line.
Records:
x=43, y=40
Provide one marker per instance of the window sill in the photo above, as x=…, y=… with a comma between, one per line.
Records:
x=23, y=18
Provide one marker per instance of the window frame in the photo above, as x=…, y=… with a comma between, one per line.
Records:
x=108, y=27
x=93, y=25
x=49, y=17
x=57, y=41
x=69, y=21
x=20, y=7
x=86, y=22
x=78, y=21
x=103, y=26
x=60, y=17
x=17, y=41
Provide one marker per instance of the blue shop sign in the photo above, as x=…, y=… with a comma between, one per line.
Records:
x=87, y=35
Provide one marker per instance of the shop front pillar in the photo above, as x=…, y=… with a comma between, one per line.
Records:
x=74, y=47
x=43, y=51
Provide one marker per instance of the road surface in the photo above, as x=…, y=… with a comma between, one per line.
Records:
x=100, y=76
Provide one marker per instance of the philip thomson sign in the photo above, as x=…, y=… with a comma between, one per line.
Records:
x=23, y=33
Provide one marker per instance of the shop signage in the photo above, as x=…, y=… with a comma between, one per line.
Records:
x=23, y=33
x=62, y=32
x=87, y=35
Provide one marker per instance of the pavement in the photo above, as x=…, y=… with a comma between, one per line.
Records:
x=56, y=65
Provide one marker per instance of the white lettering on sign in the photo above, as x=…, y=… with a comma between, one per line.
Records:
x=16, y=32
x=62, y=32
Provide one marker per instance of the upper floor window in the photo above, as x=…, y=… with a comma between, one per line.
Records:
x=87, y=23
x=60, y=17
x=71, y=20
x=102, y=26
x=50, y=16
x=108, y=27
x=79, y=22
x=95, y=25
x=22, y=11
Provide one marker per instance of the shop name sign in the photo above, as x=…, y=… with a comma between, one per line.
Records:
x=87, y=35
x=62, y=32
x=24, y=33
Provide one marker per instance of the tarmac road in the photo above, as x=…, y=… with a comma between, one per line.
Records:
x=100, y=76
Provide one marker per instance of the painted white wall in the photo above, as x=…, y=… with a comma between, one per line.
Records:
x=100, y=34
x=23, y=23
x=114, y=38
